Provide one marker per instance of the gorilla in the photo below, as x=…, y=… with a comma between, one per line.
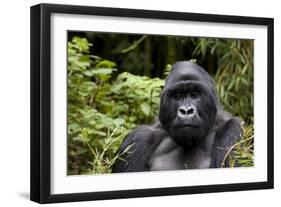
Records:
x=193, y=131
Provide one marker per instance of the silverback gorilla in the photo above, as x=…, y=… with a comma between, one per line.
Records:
x=193, y=130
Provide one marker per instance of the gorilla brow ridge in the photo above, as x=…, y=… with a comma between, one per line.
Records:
x=187, y=86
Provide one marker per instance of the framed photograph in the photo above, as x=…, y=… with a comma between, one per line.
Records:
x=133, y=103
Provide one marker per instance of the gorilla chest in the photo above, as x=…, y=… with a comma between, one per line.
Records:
x=169, y=156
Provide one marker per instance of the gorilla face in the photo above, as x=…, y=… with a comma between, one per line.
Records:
x=188, y=105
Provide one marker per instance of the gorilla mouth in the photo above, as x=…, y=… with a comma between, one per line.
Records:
x=187, y=125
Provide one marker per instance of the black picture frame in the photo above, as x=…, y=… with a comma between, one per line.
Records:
x=41, y=96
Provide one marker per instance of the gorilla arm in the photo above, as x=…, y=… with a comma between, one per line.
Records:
x=227, y=134
x=143, y=141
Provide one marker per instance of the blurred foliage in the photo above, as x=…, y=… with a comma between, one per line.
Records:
x=119, y=87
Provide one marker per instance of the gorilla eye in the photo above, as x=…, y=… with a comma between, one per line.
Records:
x=177, y=95
x=194, y=94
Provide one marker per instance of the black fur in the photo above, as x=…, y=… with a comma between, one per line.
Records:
x=193, y=130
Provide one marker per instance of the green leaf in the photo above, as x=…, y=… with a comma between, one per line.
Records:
x=118, y=121
x=88, y=73
x=73, y=128
x=105, y=64
x=102, y=71
x=82, y=44
x=145, y=107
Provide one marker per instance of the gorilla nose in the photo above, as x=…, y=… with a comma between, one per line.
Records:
x=186, y=112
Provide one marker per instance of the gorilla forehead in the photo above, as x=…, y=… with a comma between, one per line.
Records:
x=186, y=70
x=186, y=86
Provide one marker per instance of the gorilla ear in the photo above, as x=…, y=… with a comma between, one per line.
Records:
x=162, y=96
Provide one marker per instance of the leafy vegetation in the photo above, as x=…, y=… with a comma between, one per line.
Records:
x=102, y=109
x=106, y=99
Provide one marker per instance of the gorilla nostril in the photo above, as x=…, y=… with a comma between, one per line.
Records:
x=183, y=111
x=190, y=111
